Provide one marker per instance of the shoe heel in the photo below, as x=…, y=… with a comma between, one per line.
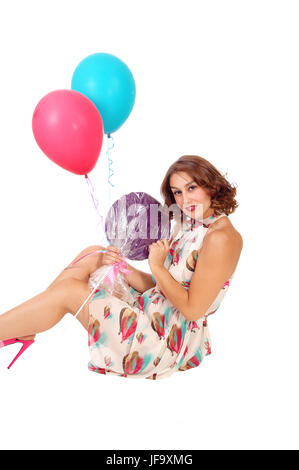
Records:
x=25, y=345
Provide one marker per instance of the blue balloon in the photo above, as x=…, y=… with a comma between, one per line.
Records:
x=109, y=84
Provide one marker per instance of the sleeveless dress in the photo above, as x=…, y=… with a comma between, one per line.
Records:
x=150, y=338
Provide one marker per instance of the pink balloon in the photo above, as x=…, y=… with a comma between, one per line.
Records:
x=68, y=128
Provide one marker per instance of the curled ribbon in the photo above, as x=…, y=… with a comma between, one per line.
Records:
x=96, y=205
x=121, y=266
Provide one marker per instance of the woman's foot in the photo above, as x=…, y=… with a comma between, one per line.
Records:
x=26, y=338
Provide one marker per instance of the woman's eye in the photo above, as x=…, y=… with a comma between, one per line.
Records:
x=176, y=192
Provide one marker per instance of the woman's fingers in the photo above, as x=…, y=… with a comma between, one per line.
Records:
x=112, y=255
x=111, y=259
x=113, y=248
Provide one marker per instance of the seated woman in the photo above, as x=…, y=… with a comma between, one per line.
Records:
x=165, y=328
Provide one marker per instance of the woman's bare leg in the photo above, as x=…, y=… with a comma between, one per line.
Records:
x=46, y=309
x=81, y=272
x=66, y=293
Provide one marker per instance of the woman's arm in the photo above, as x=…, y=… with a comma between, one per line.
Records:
x=139, y=280
x=171, y=289
x=216, y=262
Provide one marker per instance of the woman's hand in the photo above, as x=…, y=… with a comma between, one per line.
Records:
x=113, y=255
x=158, y=252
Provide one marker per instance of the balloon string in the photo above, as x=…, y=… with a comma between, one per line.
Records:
x=96, y=205
x=110, y=140
x=110, y=161
x=111, y=273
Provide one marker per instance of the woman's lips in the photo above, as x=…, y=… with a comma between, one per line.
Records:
x=191, y=208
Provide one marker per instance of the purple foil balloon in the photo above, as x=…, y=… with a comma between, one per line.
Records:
x=134, y=222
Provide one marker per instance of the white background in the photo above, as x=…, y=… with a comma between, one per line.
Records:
x=213, y=78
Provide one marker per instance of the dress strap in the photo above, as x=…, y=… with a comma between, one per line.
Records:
x=210, y=225
x=210, y=220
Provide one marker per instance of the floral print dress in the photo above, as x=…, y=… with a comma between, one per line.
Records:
x=150, y=338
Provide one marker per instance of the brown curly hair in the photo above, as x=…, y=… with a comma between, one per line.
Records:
x=222, y=193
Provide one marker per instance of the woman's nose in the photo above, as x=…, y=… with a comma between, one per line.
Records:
x=186, y=201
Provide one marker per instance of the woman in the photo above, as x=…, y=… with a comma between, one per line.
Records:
x=165, y=328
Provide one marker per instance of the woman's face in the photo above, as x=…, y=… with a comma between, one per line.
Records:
x=187, y=193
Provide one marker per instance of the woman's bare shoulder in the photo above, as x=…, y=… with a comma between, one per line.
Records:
x=224, y=227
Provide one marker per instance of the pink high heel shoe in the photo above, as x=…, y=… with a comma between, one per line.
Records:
x=25, y=342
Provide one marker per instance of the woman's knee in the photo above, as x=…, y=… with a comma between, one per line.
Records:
x=89, y=257
x=93, y=248
x=81, y=268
